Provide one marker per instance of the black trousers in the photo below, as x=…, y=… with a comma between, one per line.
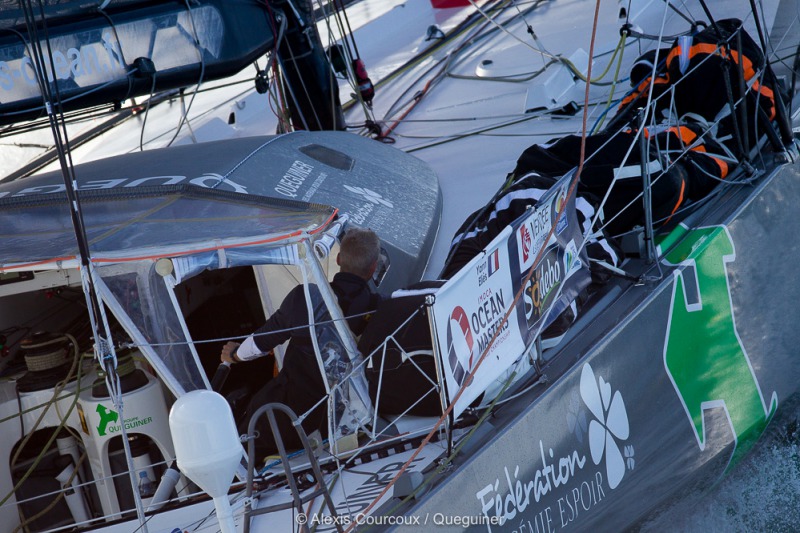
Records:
x=295, y=394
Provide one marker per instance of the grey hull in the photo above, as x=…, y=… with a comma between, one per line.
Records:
x=659, y=389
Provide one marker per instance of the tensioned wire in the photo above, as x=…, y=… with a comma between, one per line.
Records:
x=485, y=353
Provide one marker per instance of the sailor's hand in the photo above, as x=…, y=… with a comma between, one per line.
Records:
x=228, y=354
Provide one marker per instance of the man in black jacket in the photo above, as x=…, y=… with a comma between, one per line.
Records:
x=299, y=384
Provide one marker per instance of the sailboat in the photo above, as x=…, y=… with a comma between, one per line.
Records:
x=553, y=400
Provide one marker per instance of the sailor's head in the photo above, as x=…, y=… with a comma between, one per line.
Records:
x=359, y=252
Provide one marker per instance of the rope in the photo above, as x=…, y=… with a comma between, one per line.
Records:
x=125, y=365
x=444, y=464
x=512, y=308
x=39, y=362
x=544, y=52
x=613, y=85
x=59, y=496
x=76, y=367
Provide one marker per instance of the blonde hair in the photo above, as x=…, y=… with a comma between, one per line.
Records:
x=359, y=252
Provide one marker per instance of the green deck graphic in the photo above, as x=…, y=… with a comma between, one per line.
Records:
x=703, y=355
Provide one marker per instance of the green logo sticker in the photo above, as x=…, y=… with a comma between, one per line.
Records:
x=703, y=355
x=110, y=423
x=107, y=416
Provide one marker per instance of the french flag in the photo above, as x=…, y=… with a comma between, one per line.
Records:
x=494, y=262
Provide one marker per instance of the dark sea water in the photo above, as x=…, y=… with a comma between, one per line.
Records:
x=761, y=495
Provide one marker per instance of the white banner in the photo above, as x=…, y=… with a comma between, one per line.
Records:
x=469, y=309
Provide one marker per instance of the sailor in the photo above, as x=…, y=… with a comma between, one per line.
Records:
x=299, y=384
x=401, y=370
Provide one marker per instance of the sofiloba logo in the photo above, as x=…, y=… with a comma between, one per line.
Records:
x=539, y=288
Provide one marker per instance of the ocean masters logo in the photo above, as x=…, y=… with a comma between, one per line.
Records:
x=459, y=341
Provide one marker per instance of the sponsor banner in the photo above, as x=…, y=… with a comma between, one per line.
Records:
x=469, y=310
x=561, y=273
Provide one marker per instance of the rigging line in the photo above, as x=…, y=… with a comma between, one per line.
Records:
x=444, y=63
x=94, y=307
x=784, y=125
x=530, y=31
x=569, y=64
x=332, y=83
x=276, y=89
x=775, y=46
x=759, y=30
x=57, y=124
x=445, y=140
x=146, y=112
x=456, y=450
x=623, y=36
x=651, y=87
x=680, y=13
x=710, y=18
x=688, y=10
x=341, y=12
x=601, y=118
x=483, y=131
x=185, y=115
x=510, y=78
x=512, y=308
x=795, y=69
x=240, y=337
x=272, y=65
x=121, y=53
x=349, y=74
x=505, y=30
x=292, y=94
x=468, y=24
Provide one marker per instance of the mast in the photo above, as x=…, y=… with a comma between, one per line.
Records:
x=313, y=94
